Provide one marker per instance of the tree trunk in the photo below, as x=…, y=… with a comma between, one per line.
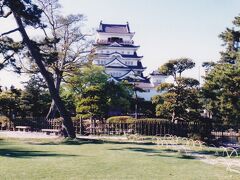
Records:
x=53, y=108
x=52, y=111
x=67, y=122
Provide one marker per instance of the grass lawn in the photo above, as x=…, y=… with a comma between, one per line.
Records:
x=46, y=159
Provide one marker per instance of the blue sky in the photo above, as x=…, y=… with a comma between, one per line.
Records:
x=165, y=29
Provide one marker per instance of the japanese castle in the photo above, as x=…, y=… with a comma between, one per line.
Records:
x=116, y=51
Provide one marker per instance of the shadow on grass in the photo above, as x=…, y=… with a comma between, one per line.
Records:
x=16, y=153
x=82, y=141
x=68, y=142
x=187, y=157
x=169, y=153
x=170, y=150
x=145, y=150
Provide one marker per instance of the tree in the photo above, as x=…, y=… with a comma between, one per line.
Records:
x=118, y=97
x=231, y=39
x=35, y=98
x=220, y=90
x=87, y=86
x=176, y=67
x=9, y=102
x=133, y=86
x=68, y=42
x=178, y=99
x=96, y=96
x=9, y=49
x=221, y=93
x=26, y=14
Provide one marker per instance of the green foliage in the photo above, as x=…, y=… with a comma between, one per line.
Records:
x=176, y=67
x=221, y=93
x=91, y=103
x=9, y=49
x=9, y=102
x=118, y=96
x=68, y=99
x=231, y=39
x=129, y=119
x=152, y=120
x=94, y=95
x=35, y=99
x=178, y=99
x=121, y=119
x=221, y=89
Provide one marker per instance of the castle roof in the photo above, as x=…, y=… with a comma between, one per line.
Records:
x=115, y=63
x=157, y=73
x=114, y=28
x=123, y=55
x=112, y=45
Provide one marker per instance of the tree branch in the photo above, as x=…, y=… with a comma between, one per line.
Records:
x=9, y=32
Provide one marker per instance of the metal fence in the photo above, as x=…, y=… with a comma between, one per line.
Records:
x=87, y=127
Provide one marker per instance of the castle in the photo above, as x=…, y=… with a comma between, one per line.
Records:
x=116, y=51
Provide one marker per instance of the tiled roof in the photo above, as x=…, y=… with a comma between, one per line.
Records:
x=156, y=73
x=123, y=55
x=138, y=66
x=122, y=45
x=114, y=28
x=144, y=80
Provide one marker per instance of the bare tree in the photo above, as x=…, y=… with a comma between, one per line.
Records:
x=68, y=41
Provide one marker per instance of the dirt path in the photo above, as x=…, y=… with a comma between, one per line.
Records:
x=32, y=135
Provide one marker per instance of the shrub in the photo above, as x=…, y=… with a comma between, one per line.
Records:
x=121, y=119
x=152, y=120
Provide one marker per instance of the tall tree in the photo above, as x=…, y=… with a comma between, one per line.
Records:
x=221, y=88
x=26, y=13
x=96, y=96
x=176, y=67
x=231, y=42
x=178, y=99
x=221, y=93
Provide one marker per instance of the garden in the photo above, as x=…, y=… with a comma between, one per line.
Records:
x=74, y=119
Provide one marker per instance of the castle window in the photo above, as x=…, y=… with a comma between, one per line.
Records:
x=115, y=39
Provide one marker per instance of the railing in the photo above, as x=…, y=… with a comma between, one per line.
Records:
x=110, y=42
x=86, y=127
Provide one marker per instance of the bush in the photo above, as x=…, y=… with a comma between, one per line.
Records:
x=129, y=119
x=121, y=119
x=152, y=120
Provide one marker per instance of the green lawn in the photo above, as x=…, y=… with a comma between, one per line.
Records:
x=44, y=159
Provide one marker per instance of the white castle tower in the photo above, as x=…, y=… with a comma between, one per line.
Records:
x=116, y=51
